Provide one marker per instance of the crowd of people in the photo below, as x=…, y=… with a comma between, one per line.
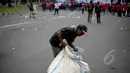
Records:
x=114, y=8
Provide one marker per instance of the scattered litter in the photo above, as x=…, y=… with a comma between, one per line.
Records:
x=121, y=28
x=22, y=28
x=35, y=29
x=12, y=48
x=78, y=17
x=26, y=16
x=93, y=18
x=73, y=26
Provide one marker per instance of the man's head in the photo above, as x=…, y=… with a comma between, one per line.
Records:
x=81, y=30
x=91, y=2
x=98, y=2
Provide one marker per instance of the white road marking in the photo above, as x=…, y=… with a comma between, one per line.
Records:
x=78, y=17
x=108, y=56
x=6, y=26
x=61, y=16
x=58, y=17
x=54, y=17
x=71, y=14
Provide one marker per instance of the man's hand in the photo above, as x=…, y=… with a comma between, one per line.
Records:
x=75, y=49
x=63, y=44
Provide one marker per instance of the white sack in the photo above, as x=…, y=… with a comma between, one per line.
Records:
x=68, y=62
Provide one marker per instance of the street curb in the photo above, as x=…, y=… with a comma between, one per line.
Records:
x=5, y=14
x=11, y=13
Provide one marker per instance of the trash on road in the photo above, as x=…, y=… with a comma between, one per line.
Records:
x=22, y=28
x=12, y=48
x=26, y=16
x=35, y=28
x=121, y=28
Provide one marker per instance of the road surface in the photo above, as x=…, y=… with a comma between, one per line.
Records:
x=25, y=48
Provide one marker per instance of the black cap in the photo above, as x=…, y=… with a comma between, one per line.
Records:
x=83, y=28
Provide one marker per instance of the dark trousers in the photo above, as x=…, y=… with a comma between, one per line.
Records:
x=119, y=13
x=56, y=11
x=90, y=16
x=124, y=12
x=56, y=50
x=98, y=18
x=104, y=11
x=82, y=11
x=128, y=12
x=43, y=7
x=50, y=9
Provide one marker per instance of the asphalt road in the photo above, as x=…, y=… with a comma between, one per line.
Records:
x=25, y=48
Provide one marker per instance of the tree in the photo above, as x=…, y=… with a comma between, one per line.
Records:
x=9, y=3
x=3, y=2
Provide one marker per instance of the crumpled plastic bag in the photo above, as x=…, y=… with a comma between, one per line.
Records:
x=68, y=62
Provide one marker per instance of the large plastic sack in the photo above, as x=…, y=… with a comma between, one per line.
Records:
x=68, y=62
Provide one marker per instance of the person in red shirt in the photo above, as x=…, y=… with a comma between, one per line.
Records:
x=113, y=9
x=50, y=6
x=128, y=12
x=43, y=6
x=104, y=8
x=107, y=7
x=125, y=9
x=63, y=6
x=86, y=6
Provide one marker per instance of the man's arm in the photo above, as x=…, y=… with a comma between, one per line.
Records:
x=61, y=40
x=71, y=45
